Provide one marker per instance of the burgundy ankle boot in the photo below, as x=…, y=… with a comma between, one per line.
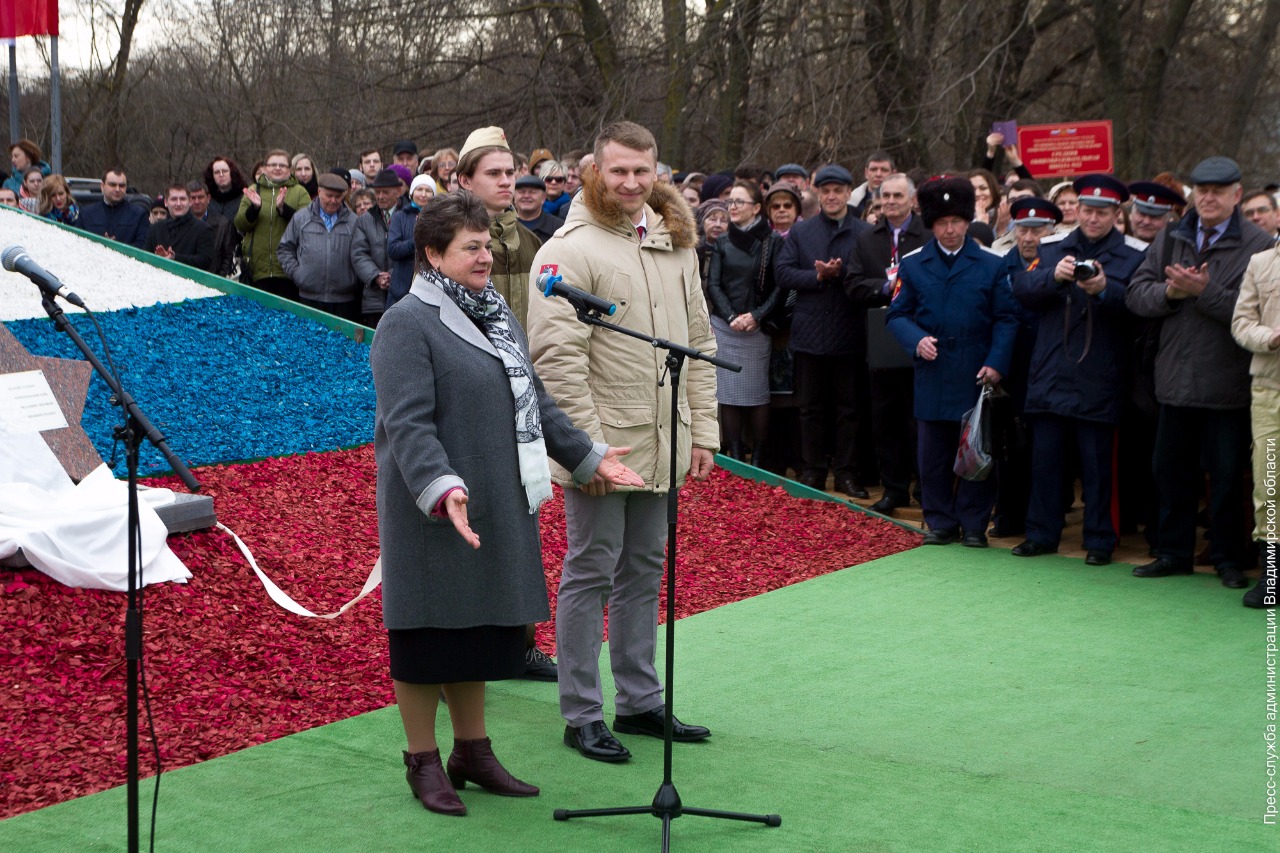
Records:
x=430, y=785
x=474, y=761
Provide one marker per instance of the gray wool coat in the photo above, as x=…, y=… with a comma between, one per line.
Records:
x=446, y=418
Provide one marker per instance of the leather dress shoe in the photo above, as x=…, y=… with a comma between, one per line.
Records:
x=886, y=505
x=814, y=481
x=941, y=536
x=974, y=539
x=1032, y=548
x=1231, y=576
x=1161, y=568
x=849, y=486
x=651, y=723
x=537, y=666
x=1097, y=557
x=595, y=741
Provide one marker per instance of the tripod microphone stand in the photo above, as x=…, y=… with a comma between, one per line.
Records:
x=136, y=428
x=666, y=803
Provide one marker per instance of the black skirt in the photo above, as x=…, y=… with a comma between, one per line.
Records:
x=451, y=655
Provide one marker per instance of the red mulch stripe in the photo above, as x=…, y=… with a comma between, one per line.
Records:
x=228, y=669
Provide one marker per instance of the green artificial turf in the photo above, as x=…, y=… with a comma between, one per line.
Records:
x=939, y=699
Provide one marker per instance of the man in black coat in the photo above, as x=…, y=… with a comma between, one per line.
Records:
x=828, y=338
x=181, y=237
x=869, y=283
x=115, y=217
x=1190, y=282
x=225, y=237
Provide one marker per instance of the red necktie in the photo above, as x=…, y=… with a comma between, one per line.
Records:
x=640, y=229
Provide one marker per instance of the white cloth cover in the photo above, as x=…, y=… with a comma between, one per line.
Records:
x=76, y=534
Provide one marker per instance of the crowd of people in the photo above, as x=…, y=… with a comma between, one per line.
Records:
x=1125, y=335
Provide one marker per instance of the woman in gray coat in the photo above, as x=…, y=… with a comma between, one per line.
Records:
x=464, y=430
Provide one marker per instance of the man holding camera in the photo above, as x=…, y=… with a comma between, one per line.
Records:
x=1076, y=385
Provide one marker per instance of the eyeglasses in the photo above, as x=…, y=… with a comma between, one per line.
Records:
x=737, y=202
x=554, y=180
x=1256, y=211
x=277, y=165
x=448, y=165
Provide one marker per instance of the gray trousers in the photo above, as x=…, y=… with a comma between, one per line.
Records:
x=616, y=546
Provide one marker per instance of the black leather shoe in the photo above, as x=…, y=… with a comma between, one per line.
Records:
x=974, y=539
x=651, y=723
x=848, y=486
x=886, y=505
x=538, y=667
x=814, y=481
x=1032, y=548
x=1231, y=576
x=1098, y=558
x=1161, y=568
x=942, y=536
x=595, y=741
x=1263, y=594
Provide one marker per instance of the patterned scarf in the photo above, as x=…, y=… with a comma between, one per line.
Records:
x=489, y=310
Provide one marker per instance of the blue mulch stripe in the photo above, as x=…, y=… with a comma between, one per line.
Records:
x=224, y=379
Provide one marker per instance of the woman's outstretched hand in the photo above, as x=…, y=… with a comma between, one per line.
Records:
x=455, y=506
x=613, y=471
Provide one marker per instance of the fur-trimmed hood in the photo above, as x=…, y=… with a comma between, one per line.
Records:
x=673, y=214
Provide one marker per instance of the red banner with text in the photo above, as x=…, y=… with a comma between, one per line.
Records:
x=28, y=18
x=1066, y=150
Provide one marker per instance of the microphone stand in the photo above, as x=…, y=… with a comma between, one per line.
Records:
x=666, y=803
x=136, y=427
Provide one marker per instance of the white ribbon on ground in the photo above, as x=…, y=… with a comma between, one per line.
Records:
x=280, y=597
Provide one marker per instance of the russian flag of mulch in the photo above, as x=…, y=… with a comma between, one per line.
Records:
x=274, y=412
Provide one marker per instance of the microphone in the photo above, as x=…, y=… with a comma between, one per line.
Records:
x=552, y=284
x=16, y=259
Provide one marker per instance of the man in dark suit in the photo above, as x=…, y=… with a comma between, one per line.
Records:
x=828, y=337
x=870, y=282
x=955, y=313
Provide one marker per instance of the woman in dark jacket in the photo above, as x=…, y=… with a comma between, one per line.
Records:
x=225, y=182
x=400, y=249
x=463, y=433
x=741, y=292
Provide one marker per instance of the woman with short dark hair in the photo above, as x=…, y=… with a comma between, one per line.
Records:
x=225, y=183
x=463, y=434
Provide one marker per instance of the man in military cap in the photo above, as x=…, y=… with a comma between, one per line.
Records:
x=1153, y=206
x=1076, y=385
x=1190, y=281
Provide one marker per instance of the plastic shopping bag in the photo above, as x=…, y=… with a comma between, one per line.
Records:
x=973, y=456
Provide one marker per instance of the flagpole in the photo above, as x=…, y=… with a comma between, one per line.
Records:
x=55, y=106
x=13, y=89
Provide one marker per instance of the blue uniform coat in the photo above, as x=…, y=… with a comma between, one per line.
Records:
x=969, y=308
x=1064, y=379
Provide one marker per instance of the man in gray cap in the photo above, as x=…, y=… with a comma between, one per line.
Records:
x=315, y=251
x=793, y=174
x=1190, y=281
x=829, y=339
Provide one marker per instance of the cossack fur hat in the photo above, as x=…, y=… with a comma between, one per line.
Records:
x=939, y=197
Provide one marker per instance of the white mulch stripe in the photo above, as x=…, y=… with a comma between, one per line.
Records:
x=105, y=280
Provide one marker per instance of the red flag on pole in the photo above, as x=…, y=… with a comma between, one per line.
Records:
x=28, y=18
